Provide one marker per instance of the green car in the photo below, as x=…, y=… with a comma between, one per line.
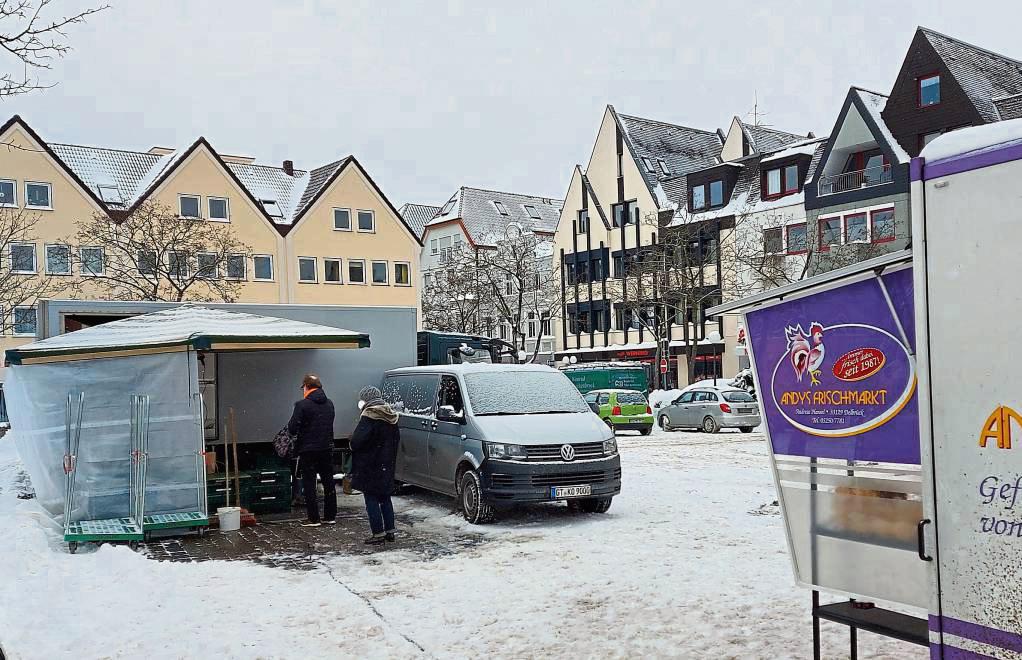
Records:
x=622, y=410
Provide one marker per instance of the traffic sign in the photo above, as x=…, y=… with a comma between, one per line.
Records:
x=663, y=365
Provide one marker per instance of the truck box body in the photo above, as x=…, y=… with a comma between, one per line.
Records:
x=607, y=376
x=264, y=396
x=967, y=228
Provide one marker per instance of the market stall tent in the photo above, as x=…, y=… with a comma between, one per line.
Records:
x=155, y=354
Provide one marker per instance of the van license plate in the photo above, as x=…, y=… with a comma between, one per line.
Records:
x=560, y=492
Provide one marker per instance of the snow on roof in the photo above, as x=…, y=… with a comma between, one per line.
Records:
x=485, y=224
x=273, y=183
x=874, y=104
x=186, y=326
x=805, y=148
x=417, y=215
x=472, y=367
x=973, y=140
x=97, y=166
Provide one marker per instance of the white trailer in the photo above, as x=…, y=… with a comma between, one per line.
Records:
x=889, y=396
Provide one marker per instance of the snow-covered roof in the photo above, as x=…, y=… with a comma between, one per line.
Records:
x=481, y=211
x=682, y=149
x=764, y=139
x=874, y=104
x=471, y=367
x=121, y=178
x=417, y=215
x=974, y=140
x=746, y=198
x=187, y=326
x=983, y=75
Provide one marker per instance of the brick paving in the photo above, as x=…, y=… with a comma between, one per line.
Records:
x=281, y=542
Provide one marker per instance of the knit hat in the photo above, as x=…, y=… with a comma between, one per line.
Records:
x=371, y=396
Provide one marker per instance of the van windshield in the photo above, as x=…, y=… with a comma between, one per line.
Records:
x=523, y=393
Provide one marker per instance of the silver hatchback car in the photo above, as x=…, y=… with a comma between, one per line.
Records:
x=710, y=409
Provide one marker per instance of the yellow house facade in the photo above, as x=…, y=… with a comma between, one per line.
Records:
x=323, y=236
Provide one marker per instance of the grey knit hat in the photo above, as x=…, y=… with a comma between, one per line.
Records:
x=371, y=396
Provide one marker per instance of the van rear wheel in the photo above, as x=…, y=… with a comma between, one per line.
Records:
x=475, y=510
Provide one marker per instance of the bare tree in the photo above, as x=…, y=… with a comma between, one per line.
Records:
x=519, y=286
x=34, y=39
x=450, y=298
x=22, y=275
x=154, y=254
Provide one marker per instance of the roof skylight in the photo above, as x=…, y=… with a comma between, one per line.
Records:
x=448, y=206
x=663, y=166
x=531, y=210
x=110, y=194
x=648, y=164
x=272, y=208
x=501, y=208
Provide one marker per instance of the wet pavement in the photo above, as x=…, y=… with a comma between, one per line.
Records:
x=281, y=542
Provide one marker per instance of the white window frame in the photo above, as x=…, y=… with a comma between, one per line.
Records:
x=358, y=221
x=255, y=273
x=14, y=186
x=336, y=228
x=315, y=270
x=14, y=325
x=340, y=270
x=433, y=247
x=198, y=206
x=209, y=208
x=244, y=267
x=216, y=266
x=35, y=258
x=81, y=256
x=357, y=261
x=46, y=258
x=386, y=270
x=49, y=195
x=407, y=264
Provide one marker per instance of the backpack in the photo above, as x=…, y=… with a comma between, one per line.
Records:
x=284, y=444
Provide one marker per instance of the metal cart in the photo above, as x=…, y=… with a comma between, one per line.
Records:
x=107, y=530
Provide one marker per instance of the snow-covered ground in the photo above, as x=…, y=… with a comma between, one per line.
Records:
x=689, y=562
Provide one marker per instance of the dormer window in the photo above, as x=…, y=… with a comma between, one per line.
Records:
x=501, y=209
x=532, y=211
x=716, y=193
x=272, y=208
x=699, y=198
x=708, y=195
x=648, y=164
x=780, y=181
x=663, y=166
x=929, y=90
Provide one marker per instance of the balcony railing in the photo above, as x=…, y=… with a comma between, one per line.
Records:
x=871, y=176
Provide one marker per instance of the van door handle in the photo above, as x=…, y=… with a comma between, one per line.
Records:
x=921, y=538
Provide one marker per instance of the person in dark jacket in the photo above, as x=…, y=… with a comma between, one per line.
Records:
x=312, y=425
x=374, y=445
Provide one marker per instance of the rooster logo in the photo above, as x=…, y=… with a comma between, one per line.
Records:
x=806, y=352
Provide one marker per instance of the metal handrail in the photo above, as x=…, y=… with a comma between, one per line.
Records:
x=871, y=176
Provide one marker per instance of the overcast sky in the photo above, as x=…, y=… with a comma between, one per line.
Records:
x=430, y=96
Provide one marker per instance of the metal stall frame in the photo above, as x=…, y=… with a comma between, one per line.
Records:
x=129, y=528
x=855, y=615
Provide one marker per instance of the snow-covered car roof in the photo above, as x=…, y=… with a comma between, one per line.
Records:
x=617, y=389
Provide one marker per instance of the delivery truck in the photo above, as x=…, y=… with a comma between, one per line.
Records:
x=890, y=398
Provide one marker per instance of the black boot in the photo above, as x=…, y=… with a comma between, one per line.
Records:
x=389, y=536
x=375, y=539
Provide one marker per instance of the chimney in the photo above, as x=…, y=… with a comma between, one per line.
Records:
x=289, y=168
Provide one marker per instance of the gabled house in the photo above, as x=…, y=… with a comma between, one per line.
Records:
x=475, y=219
x=635, y=181
x=858, y=202
x=416, y=216
x=328, y=235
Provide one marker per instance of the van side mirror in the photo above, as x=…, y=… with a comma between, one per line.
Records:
x=449, y=414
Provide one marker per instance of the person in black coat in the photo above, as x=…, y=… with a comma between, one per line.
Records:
x=312, y=425
x=374, y=445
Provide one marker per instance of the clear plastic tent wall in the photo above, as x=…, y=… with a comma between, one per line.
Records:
x=37, y=400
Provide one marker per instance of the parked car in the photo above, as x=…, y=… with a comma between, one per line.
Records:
x=622, y=410
x=494, y=435
x=710, y=409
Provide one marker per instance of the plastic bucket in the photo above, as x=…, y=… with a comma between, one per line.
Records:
x=230, y=518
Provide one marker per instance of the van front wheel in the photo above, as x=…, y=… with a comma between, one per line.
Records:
x=475, y=510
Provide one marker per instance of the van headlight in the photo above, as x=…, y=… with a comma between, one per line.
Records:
x=610, y=447
x=504, y=450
